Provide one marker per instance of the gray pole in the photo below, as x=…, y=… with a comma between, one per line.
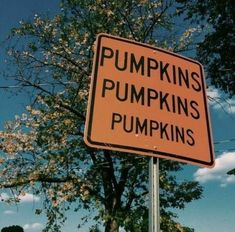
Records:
x=154, y=212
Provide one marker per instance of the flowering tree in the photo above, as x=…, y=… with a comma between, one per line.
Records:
x=43, y=149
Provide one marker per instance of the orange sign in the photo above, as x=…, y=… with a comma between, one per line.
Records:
x=148, y=101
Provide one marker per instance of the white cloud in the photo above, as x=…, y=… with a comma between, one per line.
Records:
x=28, y=197
x=4, y=196
x=33, y=227
x=9, y=212
x=24, y=198
x=220, y=101
x=223, y=164
x=213, y=93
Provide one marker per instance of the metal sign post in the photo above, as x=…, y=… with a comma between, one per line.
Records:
x=154, y=212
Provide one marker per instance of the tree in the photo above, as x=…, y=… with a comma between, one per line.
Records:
x=216, y=50
x=12, y=229
x=231, y=172
x=94, y=229
x=43, y=148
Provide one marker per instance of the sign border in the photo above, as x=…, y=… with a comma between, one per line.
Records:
x=125, y=148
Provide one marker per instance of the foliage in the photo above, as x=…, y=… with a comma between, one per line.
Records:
x=43, y=150
x=12, y=229
x=216, y=50
x=231, y=172
x=94, y=229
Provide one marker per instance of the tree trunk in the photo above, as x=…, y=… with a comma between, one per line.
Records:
x=112, y=226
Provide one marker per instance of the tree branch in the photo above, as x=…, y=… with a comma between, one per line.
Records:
x=40, y=178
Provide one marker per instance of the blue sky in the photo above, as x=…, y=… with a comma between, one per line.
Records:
x=215, y=212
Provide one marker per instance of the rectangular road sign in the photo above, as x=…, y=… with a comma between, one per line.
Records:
x=148, y=101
